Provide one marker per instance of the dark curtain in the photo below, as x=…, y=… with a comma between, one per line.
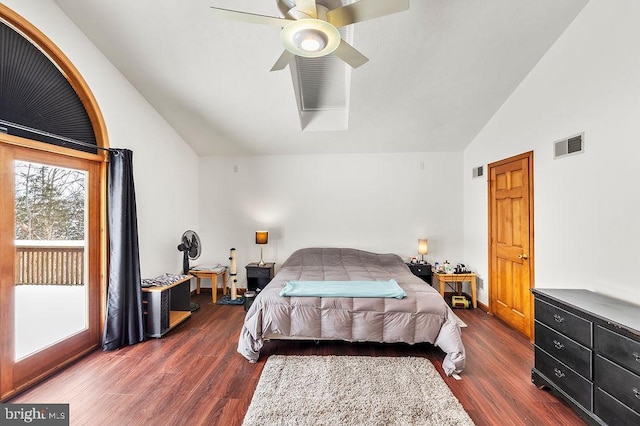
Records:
x=123, y=325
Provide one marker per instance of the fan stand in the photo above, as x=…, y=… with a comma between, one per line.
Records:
x=185, y=270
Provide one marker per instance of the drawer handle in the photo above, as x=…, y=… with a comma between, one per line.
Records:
x=558, y=345
x=636, y=393
x=636, y=355
x=559, y=373
x=558, y=318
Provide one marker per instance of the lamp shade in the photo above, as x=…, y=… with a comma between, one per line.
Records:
x=262, y=237
x=422, y=247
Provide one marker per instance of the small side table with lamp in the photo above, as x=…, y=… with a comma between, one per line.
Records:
x=421, y=269
x=259, y=274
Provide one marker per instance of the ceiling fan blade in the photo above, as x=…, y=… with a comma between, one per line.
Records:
x=308, y=7
x=350, y=55
x=283, y=61
x=364, y=10
x=235, y=15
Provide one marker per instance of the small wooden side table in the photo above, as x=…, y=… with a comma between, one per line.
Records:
x=458, y=279
x=213, y=274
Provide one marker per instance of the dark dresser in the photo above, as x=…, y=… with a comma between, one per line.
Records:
x=587, y=350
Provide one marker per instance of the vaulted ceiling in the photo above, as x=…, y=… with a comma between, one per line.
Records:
x=436, y=72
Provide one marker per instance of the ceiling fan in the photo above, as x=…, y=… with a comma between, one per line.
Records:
x=310, y=29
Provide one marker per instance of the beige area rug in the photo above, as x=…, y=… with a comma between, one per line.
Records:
x=353, y=390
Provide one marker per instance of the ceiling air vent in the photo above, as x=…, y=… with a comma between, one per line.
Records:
x=478, y=171
x=569, y=146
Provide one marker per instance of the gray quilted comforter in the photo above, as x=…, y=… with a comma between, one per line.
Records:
x=422, y=316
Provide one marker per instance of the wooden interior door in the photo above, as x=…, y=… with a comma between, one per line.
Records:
x=511, y=241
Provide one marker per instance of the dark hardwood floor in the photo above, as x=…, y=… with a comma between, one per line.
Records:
x=194, y=376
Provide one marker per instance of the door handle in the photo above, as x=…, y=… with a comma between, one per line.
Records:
x=523, y=256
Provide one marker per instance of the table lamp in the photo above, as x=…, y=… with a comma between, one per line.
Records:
x=422, y=248
x=262, y=237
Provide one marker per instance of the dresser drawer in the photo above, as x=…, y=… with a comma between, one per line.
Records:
x=258, y=272
x=570, y=352
x=618, y=348
x=619, y=382
x=420, y=269
x=564, y=322
x=613, y=412
x=573, y=384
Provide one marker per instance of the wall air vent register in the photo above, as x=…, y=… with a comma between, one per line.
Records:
x=569, y=146
x=477, y=172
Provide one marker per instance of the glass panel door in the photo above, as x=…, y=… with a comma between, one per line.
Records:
x=50, y=216
x=50, y=222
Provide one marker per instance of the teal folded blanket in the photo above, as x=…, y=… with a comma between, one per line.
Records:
x=343, y=289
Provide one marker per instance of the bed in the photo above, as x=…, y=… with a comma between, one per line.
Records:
x=421, y=317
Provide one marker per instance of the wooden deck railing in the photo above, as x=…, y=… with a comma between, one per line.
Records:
x=50, y=263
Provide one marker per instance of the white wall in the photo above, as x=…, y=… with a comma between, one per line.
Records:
x=165, y=167
x=586, y=206
x=375, y=202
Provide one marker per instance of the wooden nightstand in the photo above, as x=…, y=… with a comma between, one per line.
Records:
x=458, y=279
x=259, y=276
x=421, y=270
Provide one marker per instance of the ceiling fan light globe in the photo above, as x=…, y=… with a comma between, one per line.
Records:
x=311, y=45
x=310, y=40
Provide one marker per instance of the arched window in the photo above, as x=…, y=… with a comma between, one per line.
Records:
x=52, y=179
